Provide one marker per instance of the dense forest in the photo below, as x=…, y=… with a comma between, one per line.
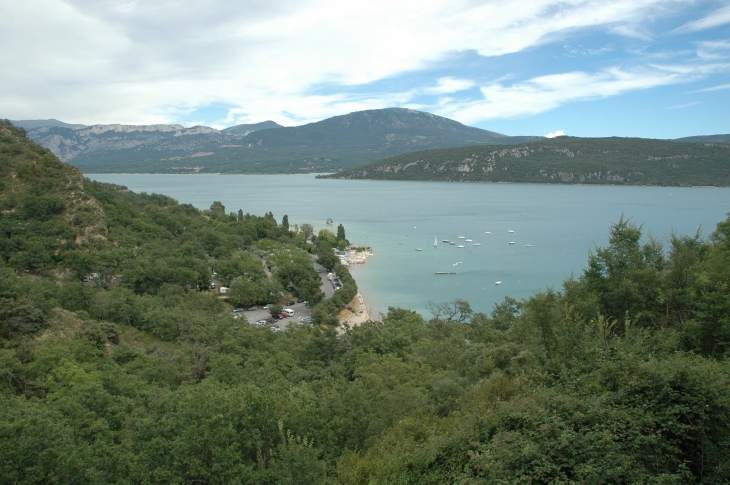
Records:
x=119, y=365
x=562, y=160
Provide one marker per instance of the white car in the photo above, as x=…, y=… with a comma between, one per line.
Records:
x=224, y=289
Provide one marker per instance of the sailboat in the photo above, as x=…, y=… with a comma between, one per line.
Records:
x=510, y=231
x=487, y=232
x=435, y=242
x=477, y=244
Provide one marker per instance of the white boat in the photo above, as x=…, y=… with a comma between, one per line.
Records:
x=467, y=240
x=510, y=231
x=446, y=241
x=528, y=245
x=487, y=232
x=477, y=244
x=512, y=242
x=460, y=246
x=497, y=282
x=435, y=242
x=419, y=249
x=461, y=237
x=452, y=242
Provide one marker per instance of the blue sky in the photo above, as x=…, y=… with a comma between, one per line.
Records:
x=648, y=68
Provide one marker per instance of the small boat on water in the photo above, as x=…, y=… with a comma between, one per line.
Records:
x=528, y=245
x=452, y=243
x=446, y=241
x=460, y=246
x=361, y=262
x=461, y=237
x=435, y=242
x=487, y=232
x=510, y=231
x=497, y=282
x=467, y=240
x=419, y=249
x=512, y=242
x=445, y=272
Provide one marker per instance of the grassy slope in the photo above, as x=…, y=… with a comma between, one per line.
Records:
x=629, y=161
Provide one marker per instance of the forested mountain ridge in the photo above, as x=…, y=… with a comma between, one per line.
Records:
x=569, y=160
x=142, y=375
x=331, y=144
x=706, y=139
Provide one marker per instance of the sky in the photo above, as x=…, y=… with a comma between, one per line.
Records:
x=648, y=68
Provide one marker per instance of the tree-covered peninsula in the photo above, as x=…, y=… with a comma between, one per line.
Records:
x=119, y=365
x=563, y=160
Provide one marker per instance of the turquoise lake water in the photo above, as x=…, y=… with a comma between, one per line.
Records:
x=560, y=222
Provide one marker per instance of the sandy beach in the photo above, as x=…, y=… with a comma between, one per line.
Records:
x=348, y=318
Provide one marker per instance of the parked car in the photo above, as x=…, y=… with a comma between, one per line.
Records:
x=252, y=308
x=212, y=286
x=301, y=300
x=288, y=312
x=261, y=322
x=284, y=315
x=307, y=320
x=238, y=310
x=224, y=289
x=290, y=302
x=267, y=306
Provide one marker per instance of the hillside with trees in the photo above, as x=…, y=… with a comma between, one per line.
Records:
x=120, y=366
x=563, y=160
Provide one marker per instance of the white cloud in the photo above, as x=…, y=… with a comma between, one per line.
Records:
x=715, y=19
x=147, y=62
x=714, y=88
x=544, y=93
x=447, y=85
x=684, y=105
x=555, y=133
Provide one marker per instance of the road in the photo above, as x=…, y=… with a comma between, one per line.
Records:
x=326, y=284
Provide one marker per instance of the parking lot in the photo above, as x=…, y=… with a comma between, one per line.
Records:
x=252, y=316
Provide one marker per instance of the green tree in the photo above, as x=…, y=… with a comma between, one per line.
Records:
x=276, y=309
x=307, y=231
x=341, y=233
x=626, y=276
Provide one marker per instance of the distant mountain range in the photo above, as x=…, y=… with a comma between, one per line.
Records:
x=568, y=160
x=333, y=144
x=28, y=125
